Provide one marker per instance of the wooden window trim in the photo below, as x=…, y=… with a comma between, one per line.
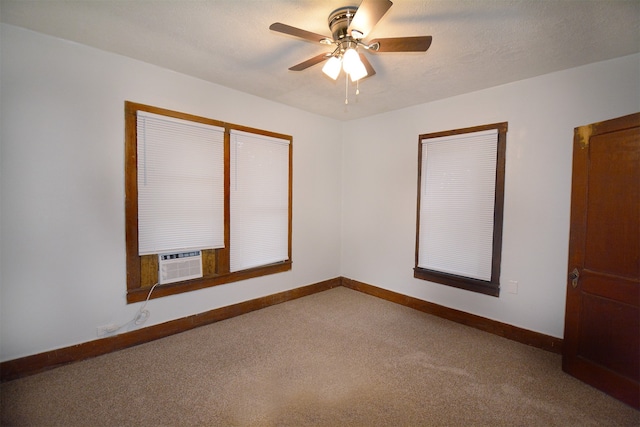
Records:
x=491, y=287
x=137, y=288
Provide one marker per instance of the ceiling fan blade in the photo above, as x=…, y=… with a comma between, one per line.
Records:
x=368, y=14
x=402, y=44
x=311, y=61
x=367, y=65
x=297, y=32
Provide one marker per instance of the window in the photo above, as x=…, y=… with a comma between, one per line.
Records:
x=460, y=204
x=259, y=200
x=180, y=184
x=197, y=183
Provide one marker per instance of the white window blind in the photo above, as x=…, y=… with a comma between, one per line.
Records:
x=180, y=184
x=259, y=200
x=458, y=179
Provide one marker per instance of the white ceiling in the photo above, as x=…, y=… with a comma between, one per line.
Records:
x=476, y=43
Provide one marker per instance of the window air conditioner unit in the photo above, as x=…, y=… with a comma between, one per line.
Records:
x=179, y=266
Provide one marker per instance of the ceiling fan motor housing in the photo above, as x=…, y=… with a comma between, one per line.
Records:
x=339, y=21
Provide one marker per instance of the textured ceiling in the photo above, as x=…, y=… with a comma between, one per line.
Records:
x=476, y=43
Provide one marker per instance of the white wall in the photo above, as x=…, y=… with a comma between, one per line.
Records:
x=379, y=186
x=62, y=256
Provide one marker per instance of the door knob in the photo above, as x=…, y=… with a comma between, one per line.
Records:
x=574, y=276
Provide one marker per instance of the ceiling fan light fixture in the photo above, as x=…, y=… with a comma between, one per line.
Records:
x=332, y=67
x=350, y=60
x=353, y=65
x=358, y=71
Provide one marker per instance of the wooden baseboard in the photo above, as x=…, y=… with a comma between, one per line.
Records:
x=505, y=330
x=30, y=365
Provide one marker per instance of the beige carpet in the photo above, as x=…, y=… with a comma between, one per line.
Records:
x=337, y=358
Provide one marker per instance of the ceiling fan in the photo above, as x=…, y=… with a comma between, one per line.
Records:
x=349, y=27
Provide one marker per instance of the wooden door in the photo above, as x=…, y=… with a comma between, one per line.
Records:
x=602, y=324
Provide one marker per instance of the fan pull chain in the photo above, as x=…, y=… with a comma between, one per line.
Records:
x=346, y=89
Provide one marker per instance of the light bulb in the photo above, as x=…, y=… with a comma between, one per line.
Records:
x=353, y=65
x=332, y=67
x=350, y=60
x=358, y=71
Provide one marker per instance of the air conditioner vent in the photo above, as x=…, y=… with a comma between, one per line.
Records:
x=179, y=266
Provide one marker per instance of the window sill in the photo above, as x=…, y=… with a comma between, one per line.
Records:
x=140, y=294
x=474, y=285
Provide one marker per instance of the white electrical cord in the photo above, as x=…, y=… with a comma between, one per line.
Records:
x=141, y=316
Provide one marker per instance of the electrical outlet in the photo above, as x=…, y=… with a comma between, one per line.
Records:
x=106, y=329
